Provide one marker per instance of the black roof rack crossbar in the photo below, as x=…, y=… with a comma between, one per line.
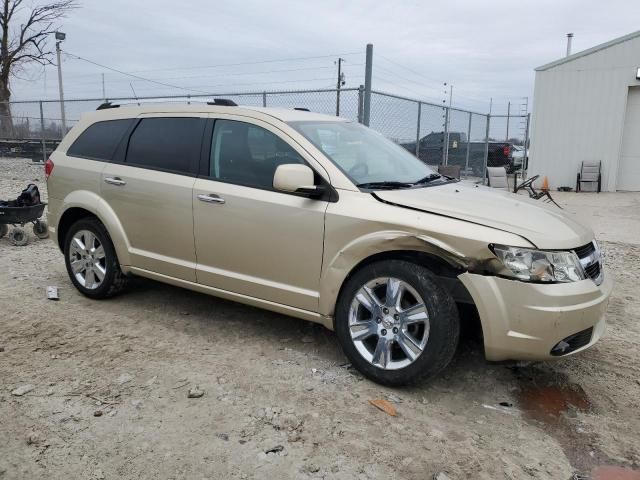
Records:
x=223, y=102
x=302, y=109
x=105, y=105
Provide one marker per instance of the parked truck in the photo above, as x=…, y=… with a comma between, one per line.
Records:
x=433, y=145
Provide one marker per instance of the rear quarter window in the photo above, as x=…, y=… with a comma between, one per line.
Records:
x=100, y=140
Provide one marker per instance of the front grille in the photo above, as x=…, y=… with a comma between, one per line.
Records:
x=591, y=261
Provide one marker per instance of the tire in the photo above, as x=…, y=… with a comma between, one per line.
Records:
x=19, y=237
x=113, y=280
x=4, y=229
x=442, y=325
x=40, y=229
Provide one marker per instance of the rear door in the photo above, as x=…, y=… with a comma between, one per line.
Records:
x=149, y=186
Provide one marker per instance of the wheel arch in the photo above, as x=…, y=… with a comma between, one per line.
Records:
x=82, y=204
x=441, y=260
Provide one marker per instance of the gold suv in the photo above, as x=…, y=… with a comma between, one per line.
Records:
x=323, y=219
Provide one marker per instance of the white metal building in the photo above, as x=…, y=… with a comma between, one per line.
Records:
x=587, y=108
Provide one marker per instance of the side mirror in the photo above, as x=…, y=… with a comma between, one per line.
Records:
x=296, y=178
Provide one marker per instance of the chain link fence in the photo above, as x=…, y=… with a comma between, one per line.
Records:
x=463, y=141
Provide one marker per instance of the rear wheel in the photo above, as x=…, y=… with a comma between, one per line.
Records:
x=396, y=324
x=91, y=260
x=18, y=237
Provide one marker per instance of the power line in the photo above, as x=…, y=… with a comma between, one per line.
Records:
x=293, y=59
x=133, y=75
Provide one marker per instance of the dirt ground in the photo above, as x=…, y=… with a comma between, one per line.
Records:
x=105, y=385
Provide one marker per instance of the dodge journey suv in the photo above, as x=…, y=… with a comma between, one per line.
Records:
x=323, y=219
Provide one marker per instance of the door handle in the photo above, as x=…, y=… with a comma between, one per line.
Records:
x=211, y=198
x=115, y=181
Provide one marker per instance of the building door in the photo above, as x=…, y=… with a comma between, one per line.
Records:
x=629, y=167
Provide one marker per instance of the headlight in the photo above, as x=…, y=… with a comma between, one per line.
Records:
x=539, y=265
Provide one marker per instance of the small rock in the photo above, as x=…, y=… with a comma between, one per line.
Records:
x=441, y=476
x=195, y=392
x=124, y=378
x=97, y=413
x=21, y=390
x=223, y=436
x=34, y=438
x=311, y=468
x=506, y=404
x=307, y=339
x=136, y=403
x=273, y=450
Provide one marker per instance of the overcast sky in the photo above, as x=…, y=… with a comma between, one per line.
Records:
x=485, y=49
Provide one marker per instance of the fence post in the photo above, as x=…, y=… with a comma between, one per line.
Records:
x=368, y=70
x=44, y=143
x=360, y=103
x=525, y=158
x=466, y=160
x=445, y=137
x=486, y=149
x=418, y=130
x=264, y=99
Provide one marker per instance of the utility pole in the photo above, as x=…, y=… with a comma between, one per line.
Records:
x=508, y=118
x=60, y=37
x=368, y=70
x=340, y=83
x=448, y=120
x=104, y=95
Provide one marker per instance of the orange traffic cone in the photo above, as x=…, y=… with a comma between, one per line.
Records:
x=545, y=184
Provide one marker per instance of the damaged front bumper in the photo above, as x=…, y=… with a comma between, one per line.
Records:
x=529, y=321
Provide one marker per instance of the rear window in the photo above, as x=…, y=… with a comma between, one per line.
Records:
x=100, y=140
x=171, y=144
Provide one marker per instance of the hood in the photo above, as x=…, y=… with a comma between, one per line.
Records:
x=544, y=225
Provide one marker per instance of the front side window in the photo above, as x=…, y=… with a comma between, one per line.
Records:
x=246, y=154
x=363, y=154
x=171, y=144
x=100, y=140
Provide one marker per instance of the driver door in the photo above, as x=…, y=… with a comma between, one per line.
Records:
x=249, y=238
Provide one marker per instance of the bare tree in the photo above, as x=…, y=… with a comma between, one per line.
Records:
x=25, y=34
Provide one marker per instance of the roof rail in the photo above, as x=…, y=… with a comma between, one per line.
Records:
x=302, y=109
x=223, y=102
x=105, y=105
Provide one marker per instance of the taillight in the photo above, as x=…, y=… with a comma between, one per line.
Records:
x=506, y=150
x=48, y=167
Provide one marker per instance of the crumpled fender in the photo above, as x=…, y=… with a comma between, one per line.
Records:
x=93, y=203
x=336, y=269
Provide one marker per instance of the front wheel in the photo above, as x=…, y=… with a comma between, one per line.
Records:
x=41, y=229
x=91, y=260
x=396, y=324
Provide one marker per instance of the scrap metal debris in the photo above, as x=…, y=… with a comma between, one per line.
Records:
x=52, y=293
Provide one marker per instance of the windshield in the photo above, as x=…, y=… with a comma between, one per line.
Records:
x=363, y=154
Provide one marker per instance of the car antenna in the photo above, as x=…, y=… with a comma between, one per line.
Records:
x=134, y=93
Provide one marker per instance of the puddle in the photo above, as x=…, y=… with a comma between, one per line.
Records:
x=550, y=400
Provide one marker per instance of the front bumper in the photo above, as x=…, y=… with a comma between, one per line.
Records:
x=524, y=321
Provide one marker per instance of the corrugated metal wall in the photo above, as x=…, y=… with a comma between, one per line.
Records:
x=578, y=114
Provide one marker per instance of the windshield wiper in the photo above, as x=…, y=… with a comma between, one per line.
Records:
x=387, y=185
x=429, y=178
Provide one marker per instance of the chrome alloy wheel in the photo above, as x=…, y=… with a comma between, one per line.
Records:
x=87, y=259
x=388, y=323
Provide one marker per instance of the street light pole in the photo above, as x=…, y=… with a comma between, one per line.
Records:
x=60, y=37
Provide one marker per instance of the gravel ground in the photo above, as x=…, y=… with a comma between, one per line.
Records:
x=105, y=386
